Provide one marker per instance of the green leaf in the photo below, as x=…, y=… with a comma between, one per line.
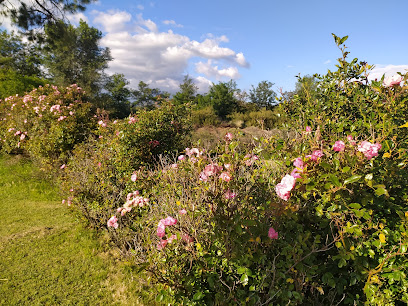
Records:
x=355, y=205
x=335, y=180
x=343, y=40
x=380, y=191
x=198, y=296
x=244, y=279
x=241, y=270
x=352, y=179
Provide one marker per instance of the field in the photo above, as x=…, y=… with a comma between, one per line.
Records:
x=46, y=256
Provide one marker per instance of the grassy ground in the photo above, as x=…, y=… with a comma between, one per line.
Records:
x=46, y=257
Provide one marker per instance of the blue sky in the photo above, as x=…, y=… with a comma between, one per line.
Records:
x=160, y=41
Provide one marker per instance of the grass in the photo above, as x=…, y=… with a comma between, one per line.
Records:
x=47, y=257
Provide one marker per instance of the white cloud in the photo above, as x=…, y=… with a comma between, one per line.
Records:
x=327, y=62
x=140, y=7
x=75, y=18
x=112, y=21
x=144, y=53
x=172, y=23
x=388, y=70
x=212, y=71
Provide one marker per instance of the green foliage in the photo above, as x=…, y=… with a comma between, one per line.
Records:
x=263, y=96
x=99, y=170
x=222, y=99
x=117, y=99
x=147, y=97
x=264, y=119
x=46, y=123
x=73, y=55
x=204, y=116
x=187, y=93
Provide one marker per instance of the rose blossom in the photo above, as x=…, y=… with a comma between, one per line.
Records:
x=308, y=129
x=169, y=221
x=162, y=244
x=350, y=139
x=225, y=176
x=161, y=229
x=133, y=177
x=272, y=233
x=368, y=149
x=315, y=155
x=182, y=212
x=285, y=186
x=113, y=222
x=228, y=137
x=339, y=146
x=391, y=81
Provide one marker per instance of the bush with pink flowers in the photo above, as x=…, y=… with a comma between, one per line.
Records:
x=46, y=123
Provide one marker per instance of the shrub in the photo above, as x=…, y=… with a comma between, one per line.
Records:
x=205, y=116
x=98, y=174
x=45, y=123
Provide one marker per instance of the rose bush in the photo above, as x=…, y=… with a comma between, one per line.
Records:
x=46, y=123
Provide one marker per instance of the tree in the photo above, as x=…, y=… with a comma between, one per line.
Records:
x=117, y=98
x=31, y=14
x=222, y=99
x=263, y=96
x=306, y=87
x=73, y=56
x=188, y=91
x=20, y=66
x=146, y=96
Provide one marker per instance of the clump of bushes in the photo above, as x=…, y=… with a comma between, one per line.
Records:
x=98, y=174
x=46, y=123
x=318, y=219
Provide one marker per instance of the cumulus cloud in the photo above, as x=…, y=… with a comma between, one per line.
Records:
x=214, y=72
x=388, y=70
x=75, y=18
x=172, y=23
x=161, y=58
x=327, y=62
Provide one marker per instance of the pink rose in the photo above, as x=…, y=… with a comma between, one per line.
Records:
x=162, y=244
x=181, y=157
x=295, y=173
x=133, y=177
x=339, y=146
x=392, y=81
x=298, y=163
x=182, y=212
x=229, y=195
x=62, y=166
x=272, y=233
x=171, y=238
x=350, y=139
x=225, y=176
x=285, y=186
x=315, y=155
x=161, y=229
x=113, y=222
x=228, y=137
x=169, y=221
x=308, y=129
x=368, y=149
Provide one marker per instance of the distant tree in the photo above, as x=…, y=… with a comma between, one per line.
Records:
x=262, y=95
x=306, y=87
x=20, y=66
x=188, y=91
x=31, y=14
x=222, y=99
x=117, y=98
x=145, y=96
x=73, y=55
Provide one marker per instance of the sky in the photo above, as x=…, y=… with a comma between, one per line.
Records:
x=161, y=41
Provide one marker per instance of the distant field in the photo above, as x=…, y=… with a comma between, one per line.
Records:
x=47, y=257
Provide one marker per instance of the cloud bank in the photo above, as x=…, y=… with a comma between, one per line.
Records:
x=161, y=58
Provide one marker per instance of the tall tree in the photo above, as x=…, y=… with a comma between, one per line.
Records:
x=146, y=96
x=73, y=55
x=188, y=91
x=118, y=95
x=31, y=14
x=222, y=99
x=20, y=66
x=262, y=95
x=306, y=87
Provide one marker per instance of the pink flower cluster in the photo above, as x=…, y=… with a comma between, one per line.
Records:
x=209, y=170
x=133, y=200
x=392, y=81
x=284, y=188
x=228, y=137
x=368, y=149
x=272, y=233
x=113, y=222
x=339, y=146
x=132, y=120
x=249, y=159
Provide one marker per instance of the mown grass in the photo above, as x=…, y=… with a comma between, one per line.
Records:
x=47, y=257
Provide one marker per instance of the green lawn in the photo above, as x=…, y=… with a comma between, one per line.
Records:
x=47, y=257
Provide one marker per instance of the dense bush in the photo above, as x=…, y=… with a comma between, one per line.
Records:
x=46, y=123
x=320, y=219
x=97, y=176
